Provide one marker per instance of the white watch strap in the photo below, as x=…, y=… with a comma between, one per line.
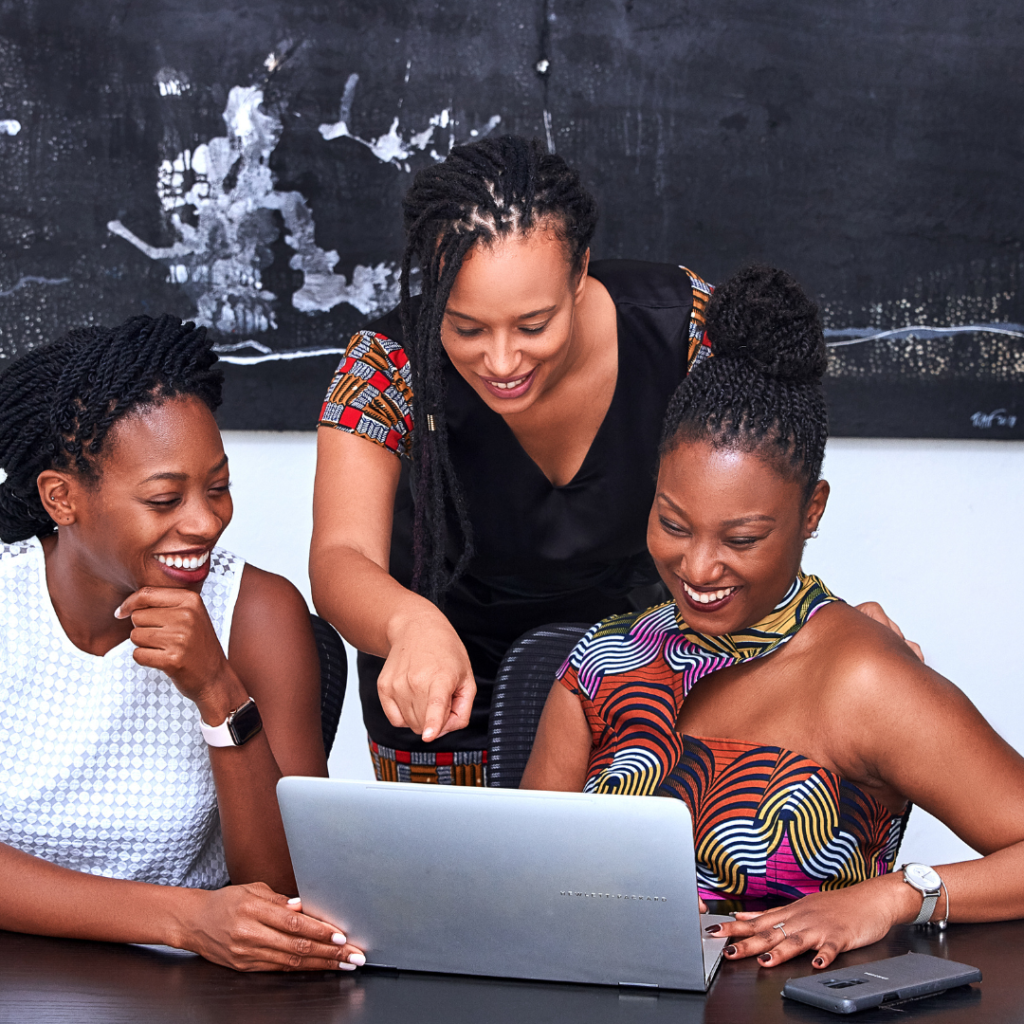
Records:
x=217, y=735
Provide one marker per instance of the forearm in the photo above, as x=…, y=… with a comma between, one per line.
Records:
x=362, y=600
x=988, y=889
x=246, y=777
x=43, y=899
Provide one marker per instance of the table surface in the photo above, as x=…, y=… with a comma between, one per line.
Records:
x=63, y=980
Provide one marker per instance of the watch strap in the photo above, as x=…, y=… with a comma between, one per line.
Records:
x=927, y=907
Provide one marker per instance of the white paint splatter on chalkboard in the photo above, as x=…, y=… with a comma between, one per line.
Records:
x=395, y=147
x=28, y=279
x=227, y=190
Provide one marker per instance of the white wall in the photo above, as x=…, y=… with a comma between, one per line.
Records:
x=928, y=528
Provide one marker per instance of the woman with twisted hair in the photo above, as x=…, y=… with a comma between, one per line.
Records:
x=486, y=455
x=797, y=731
x=153, y=687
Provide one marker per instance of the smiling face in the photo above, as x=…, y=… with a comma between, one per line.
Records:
x=727, y=532
x=508, y=325
x=160, y=504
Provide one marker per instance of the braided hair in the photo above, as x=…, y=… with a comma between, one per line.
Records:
x=761, y=392
x=59, y=401
x=483, y=191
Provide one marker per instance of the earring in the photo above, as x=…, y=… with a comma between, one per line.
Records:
x=814, y=534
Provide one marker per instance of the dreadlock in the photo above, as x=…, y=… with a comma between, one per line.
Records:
x=489, y=189
x=58, y=403
x=762, y=390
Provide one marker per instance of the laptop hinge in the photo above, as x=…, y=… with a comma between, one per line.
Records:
x=638, y=984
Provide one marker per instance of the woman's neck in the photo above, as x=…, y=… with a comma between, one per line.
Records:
x=84, y=603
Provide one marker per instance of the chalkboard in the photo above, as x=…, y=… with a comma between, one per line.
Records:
x=242, y=164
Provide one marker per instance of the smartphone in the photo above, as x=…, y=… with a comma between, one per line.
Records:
x=850, y=989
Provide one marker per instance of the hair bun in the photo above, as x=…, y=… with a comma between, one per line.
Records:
x=762, y=316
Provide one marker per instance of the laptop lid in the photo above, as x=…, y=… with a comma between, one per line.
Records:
x=505, y=883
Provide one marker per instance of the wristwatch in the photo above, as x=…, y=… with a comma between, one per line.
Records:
x=239, y=727
x=927, y=882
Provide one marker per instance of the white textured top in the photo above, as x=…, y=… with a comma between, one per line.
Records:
x=102, y=765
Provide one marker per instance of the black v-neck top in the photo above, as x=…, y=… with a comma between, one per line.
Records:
x=575, y=553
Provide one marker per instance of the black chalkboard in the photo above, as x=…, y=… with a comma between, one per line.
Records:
x=243, y=163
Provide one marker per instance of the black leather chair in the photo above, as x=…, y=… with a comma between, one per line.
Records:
x=333, y=677
x=522, y=686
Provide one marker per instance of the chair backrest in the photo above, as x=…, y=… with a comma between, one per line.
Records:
x=333, y=677
x=522, y=686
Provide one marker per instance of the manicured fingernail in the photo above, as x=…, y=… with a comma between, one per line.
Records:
x=428, y=735
x=117, y=612
x=339, y=938
x=765, y=958
x=294, y=900
x=342, y=966
x=357, y=958
x=730, y=950
x=712, y=928
x=819, y=961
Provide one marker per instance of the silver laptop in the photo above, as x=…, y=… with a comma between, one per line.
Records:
x=506, y=883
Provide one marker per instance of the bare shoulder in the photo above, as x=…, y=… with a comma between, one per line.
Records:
x=271, y=619
x=871, y=676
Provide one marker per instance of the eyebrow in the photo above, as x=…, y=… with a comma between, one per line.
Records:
x=183, y=476
x=741, y=521
x=522, y=316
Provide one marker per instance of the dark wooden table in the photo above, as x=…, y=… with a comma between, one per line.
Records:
x=57, y=980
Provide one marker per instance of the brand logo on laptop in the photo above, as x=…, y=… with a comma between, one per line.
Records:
x=613, y=896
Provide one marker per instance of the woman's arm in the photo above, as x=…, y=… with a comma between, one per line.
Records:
x=561, y=750
x=426, y=683
x=272, y=659
x=249, y=928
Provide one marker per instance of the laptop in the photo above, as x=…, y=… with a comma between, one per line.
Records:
x=507, y=883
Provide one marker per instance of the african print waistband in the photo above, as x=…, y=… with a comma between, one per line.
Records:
x=442, y=767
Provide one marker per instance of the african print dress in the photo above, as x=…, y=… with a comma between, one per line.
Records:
x=768, y=822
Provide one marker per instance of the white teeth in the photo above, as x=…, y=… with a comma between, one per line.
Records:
x=177, y=562
x=709, y=597
x=510, y=385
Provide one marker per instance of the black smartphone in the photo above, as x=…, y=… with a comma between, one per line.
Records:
x=911, y=976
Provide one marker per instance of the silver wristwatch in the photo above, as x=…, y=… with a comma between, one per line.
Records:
x=239, y=727
x=927, y=882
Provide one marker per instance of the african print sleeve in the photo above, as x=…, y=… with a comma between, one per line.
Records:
x=699, y=346
x=371, y=393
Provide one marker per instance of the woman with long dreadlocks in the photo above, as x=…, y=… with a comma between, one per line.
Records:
x=153, y=687
x=490, y=460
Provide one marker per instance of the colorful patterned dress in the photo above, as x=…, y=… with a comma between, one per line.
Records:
x=768, y=823
x=543, y=553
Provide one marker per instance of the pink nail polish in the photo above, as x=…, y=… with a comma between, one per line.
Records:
x=342, y=966
x=357, y=958
x=339, y=938
x=294, y=900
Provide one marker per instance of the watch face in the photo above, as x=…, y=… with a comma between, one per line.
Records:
x=245, y=723
x=922, y=877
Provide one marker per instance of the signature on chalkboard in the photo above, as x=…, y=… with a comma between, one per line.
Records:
x=996, y=418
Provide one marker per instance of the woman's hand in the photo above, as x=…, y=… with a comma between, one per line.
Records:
x=173, y=632
x=427, y=683
x=253, y=928
x=827, y=922
x=873, y=610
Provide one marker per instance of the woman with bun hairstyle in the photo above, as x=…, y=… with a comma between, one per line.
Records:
x=798, y=732
x=153, y=687
x=486, y=452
